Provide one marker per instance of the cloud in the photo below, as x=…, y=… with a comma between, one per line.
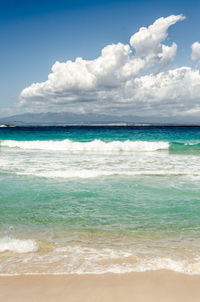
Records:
x=147, y=41
x=178, y=88
x=123, y=79
x=195, y=55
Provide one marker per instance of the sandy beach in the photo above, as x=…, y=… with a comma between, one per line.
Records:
x=138, y=287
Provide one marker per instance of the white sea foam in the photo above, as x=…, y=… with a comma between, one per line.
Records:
x=91, y=260
x=17, y=245
x=98, y=164
x=93, y=146
x=181, y=266
x=88, y=260
x=100, y=173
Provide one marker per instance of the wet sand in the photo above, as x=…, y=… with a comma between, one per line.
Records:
x=159, y=286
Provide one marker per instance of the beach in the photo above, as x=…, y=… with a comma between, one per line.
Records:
x=100, y=158
x=165, y=286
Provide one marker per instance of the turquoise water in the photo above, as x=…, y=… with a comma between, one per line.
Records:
x=88, y=133
x=99, y=199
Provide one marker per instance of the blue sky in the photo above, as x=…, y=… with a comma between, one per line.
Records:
x=36, y=34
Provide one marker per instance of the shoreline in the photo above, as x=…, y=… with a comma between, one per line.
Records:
x=123, y=124
x=148, y=286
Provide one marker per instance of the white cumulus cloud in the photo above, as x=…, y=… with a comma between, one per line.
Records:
x=195, y=55
x=123, y=79
x=147, y=41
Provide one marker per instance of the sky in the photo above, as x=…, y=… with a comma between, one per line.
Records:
x=110, y=57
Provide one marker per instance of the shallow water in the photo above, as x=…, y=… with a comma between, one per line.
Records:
x=99, y=199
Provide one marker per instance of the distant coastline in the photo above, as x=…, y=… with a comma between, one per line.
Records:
x=98, y=125
x=97, y=120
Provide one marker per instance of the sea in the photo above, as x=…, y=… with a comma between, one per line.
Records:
x=99, y=199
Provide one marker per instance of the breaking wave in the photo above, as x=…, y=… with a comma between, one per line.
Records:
x=179, y=147
x=93, y=146
x=88, y=260
x=17, y=245
x=102, y=146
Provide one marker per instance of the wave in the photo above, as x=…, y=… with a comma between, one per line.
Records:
x=179, y=147
x=84, y=174
x=88, y=260
x=102, y=146
x=17, y=245
x=93, y=146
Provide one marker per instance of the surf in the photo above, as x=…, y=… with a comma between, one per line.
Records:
x=91, y=146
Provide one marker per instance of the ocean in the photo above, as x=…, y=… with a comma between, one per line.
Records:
x=99, y=199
